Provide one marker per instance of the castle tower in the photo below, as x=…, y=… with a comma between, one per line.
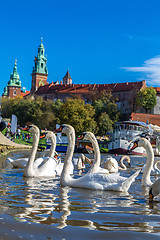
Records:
x=67, y=78
x=13, y=88
x=40, y=72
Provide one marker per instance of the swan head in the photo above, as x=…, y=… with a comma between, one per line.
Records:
x=125, y=158
x=65, y=128
x=32, y=129
x=49, y=135
x=141, y=142
x=87, y=136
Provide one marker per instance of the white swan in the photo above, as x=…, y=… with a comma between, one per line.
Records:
x=143, y=142
x=92, y=180
x=46, y=168
x=22, y=162
x=122, y=166
x=146, y=181
x=111, y=163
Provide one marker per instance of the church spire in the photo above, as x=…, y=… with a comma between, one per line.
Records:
x=40, y=72
x=67, y=78
x=13, y=88
x=40, y=60
x=14, y=77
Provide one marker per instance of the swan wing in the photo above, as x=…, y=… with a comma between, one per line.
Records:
x=59, y=168
x=18, y=163
x=126, y=184
x=46, y=168
x=98, y=181
x=39, y=161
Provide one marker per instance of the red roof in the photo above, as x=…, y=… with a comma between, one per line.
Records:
x=157, y=89
x=150, y=118
x=25, y=93
x=86, y=88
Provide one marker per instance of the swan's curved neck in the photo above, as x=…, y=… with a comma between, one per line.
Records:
x=122, y=165
x=29, y=166
x=146, y=181
x=53, y=146
x=97, y=156
x=65, y=175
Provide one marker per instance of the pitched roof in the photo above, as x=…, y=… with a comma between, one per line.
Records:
x=67, y=75
x=150, y=118
x=86, y=88
x=25, y=93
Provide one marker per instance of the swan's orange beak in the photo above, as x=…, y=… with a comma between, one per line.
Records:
x=59, y=129
x=81, y=137
x=43, y=136
x=134, y=146
x=26, y=129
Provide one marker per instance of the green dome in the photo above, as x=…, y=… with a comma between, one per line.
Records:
x=14, y=77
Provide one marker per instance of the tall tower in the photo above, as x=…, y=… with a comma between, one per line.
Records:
x=67, y=78
x=13, y=88
x=40, y=72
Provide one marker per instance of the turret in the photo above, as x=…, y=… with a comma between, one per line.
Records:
x=40, y=72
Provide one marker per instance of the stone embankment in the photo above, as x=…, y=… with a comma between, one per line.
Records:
x=7, y=145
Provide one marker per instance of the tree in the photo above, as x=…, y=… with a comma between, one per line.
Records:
x=36, y=111
x=146, y=98
x=104, y=123
x=105, y=103
x=78, y=114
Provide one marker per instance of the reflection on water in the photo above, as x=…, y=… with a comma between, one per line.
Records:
x=44, y=202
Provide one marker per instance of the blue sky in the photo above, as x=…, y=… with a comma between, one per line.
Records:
x=99, y=41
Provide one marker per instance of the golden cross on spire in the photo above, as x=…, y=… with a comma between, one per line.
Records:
x=15, y=62
x=41, y=39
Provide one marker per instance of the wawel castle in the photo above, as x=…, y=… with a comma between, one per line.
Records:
x=124, y=92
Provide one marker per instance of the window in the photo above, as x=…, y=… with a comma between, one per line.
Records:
x=14, y=92
x=41, y=65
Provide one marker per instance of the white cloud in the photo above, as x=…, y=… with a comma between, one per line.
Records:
x=150, y=71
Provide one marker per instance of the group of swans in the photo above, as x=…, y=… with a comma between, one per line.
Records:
x=43, y=166
x=22, y=162
x=47, y=166
x=96, y=178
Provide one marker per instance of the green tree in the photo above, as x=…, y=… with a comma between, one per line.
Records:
x=104, y=123
x=105, y=103
x=36, y=111
x=78, y=114
x=146, y=98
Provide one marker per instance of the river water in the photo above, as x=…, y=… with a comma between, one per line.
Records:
x=42, y=209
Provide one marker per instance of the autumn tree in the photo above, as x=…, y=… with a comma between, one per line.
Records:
x=78, y=114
